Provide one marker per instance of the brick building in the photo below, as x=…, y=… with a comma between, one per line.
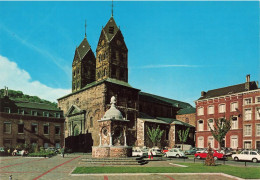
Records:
x=90, y=98
x=241, y=104
x=30, y=123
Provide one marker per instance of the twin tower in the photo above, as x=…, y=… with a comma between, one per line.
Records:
x=110, y=61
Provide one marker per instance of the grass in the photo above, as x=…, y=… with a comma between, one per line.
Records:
x=242, y=172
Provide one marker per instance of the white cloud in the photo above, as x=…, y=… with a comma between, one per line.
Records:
x=167, y=66
x=18, y=79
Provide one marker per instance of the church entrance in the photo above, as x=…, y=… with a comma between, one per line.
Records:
x=79, y=143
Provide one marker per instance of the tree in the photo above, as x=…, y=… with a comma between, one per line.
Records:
x=222, y=126
x=183, y=135
x=210, y=161
x=155, y=135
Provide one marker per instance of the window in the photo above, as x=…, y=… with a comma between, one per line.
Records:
x=57, y=130
x=46, y=128
x=257, y=129
x=247, y=101
x=105, y=72
x=21, y=111
x=91, y=121
x=46, y=145
x=211, y=124
x=247, y=130
x=222, y=108
x=200, y=125
x=57, y=144
x=234, y=122
x=20, y=128
x=46, y=114
x=257, y=111
x=247, y=145
x=111, y=29
x=234, y=142
x=7, y=143
x=7, y=127
x=34, y=128
x=211, y=141
x=200, y=142
x=253, y=153
x=233, y=106
x=34, y=113
x=57, y=115
x=7, y=110
x=257, y=100
x=211, y=110
x=248, y=114
x=200, y=111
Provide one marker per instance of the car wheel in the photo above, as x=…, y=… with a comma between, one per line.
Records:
x=254, y=160
x=215, y=158
x=177, y=155
x=236, y=158
x=198, y=157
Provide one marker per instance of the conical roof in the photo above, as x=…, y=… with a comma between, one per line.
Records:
x=111, y=28
x=83, y=48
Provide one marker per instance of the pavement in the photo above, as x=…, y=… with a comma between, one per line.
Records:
x=59, y=168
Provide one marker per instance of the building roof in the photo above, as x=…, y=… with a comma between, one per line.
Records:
x=111, y=28
x=162, y=100
x=229, y=90
x=95, y=83
x=162, y=120
x=83, y=48
x=188, y=110
x=34, y=105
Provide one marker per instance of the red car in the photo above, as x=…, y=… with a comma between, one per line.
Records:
x=204, y=154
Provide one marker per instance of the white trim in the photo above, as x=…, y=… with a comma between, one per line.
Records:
x=256, y=130
x=233, y=136
x=256, y=99
x=247, y=141
x=200, y=111
x=251, y=99
x=257, y=113
x=224, y=108
x=244, y=129
x=232, y=123
x=234, y=102
x=248, y=114
x=202, y=125
x=208, y=108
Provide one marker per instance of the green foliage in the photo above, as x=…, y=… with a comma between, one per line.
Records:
x=41, y=154
x=42, y=150
x=155, y=135
x=183, y=135
x=19, y=96
x=222, y=127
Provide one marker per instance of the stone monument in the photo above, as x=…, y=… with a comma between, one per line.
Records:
x=112, y=135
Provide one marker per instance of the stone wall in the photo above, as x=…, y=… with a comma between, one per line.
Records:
x=140, y=133
x=113, y=151
x=187, y=118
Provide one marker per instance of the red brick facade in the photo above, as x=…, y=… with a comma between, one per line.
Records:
x=245, y=127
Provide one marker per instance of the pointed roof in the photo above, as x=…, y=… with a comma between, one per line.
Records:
x=111, y=28
x=83, y=48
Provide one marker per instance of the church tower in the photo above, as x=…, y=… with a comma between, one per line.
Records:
x=83, y=66
x=111, y=53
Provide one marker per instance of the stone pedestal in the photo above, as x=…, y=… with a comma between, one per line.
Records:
x=110, y=152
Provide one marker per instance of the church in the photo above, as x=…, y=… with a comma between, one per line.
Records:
x=98, y=77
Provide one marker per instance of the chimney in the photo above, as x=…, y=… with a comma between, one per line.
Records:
x=248, y=78
x=203, y=93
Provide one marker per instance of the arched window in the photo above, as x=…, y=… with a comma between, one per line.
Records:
x=200, y=142
x=200, y=111
x=222, y=108
x=91, y=121
x=200, y=125
x=211, y=109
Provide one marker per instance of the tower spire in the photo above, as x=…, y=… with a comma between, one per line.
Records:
x=85, y=27
x=112, y=8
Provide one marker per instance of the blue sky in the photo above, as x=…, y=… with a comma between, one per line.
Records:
x=175, y=49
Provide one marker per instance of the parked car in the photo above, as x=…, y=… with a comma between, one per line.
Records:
x=227, y=151
x=247, y=155
x=165, y=149
x=192, y=151
x=139, y=153
x=2, y=149
x=155, y=151
x=200, y=150
x=183, y=147
x=204, y=154
x=175, y=152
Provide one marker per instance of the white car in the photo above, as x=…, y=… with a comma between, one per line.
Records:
x=139, y=153
x=175, y=152
x=248, y=155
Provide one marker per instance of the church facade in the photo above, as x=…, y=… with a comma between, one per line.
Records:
x=95, y=79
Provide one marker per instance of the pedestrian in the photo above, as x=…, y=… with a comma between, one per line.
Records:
x=151, y=155
x=14, y=152
x=10, y=177
x=63, y=151
x=22, y=153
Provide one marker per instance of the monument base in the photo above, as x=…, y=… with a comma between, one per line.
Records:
x=111, y=151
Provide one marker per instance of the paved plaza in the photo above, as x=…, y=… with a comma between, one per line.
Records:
x=57, y=168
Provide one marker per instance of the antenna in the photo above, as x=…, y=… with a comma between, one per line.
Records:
x=112, y=8
x=85, y=27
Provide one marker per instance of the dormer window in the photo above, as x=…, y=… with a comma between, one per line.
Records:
x=34, y=113
x=111, y=30
x=46, y=114
x=7, y=110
